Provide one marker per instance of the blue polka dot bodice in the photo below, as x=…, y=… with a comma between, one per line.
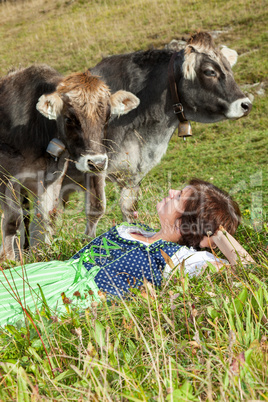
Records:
x=124, y=263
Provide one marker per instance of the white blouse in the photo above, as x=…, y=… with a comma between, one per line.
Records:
x=194, y=260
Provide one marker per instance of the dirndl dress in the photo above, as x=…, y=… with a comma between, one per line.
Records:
x=109, y=264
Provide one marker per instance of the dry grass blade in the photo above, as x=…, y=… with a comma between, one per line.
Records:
x=168, y=260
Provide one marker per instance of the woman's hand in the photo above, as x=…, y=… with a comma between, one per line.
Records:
x=207, y=242
x=230, y=247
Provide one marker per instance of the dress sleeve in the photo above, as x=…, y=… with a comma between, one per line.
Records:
x=194, y=260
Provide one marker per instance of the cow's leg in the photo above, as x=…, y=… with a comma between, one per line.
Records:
x=46, y=204
x=129, y=202
x=25, y=226
x=95, y=201
x=11, y=222
x=45, y=209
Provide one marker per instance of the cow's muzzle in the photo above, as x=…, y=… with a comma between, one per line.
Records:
x=239, y=108
x=92, y=163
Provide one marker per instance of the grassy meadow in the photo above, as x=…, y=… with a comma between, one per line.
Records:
x=200, y=339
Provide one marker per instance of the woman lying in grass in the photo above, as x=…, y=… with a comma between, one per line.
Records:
x=121, y=258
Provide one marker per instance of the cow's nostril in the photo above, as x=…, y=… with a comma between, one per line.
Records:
x=246, y=106
x=91, y=166
x=96, y=166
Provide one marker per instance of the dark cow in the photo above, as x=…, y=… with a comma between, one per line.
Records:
x=136, y=142
x=38, y=105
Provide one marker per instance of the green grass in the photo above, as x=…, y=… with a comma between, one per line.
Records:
x=203, y=339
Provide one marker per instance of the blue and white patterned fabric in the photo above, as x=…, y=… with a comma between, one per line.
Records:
x=125, y=263
x=113, y=262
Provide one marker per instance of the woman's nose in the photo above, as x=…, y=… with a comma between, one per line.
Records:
x=174, y=193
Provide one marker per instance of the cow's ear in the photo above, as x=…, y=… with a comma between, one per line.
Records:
x=230, y=54
x=50, y=106
x=190, y=49
x=123, y=102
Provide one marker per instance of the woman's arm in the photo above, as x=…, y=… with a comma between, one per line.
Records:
x=196, y=261
x=230, y=247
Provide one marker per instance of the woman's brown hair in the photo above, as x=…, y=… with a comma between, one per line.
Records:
x=205, y=210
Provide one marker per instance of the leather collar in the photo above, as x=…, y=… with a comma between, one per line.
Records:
x=184, y=129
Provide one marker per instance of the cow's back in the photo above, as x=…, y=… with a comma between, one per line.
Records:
x=132, y=71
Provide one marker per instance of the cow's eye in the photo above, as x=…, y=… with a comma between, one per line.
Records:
x=210, y=73
x=71, y=121
x=68, y=121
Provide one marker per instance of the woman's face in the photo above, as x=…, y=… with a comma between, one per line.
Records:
x=171, y=208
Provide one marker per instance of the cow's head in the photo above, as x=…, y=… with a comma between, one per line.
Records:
x=82, y=105
x=207, y=88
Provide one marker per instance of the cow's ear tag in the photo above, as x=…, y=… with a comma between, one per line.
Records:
x=185, y=129
x=55, y=148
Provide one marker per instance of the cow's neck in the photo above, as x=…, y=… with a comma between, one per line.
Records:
x=161, y=113
x=161, y=91
x=140, y=139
